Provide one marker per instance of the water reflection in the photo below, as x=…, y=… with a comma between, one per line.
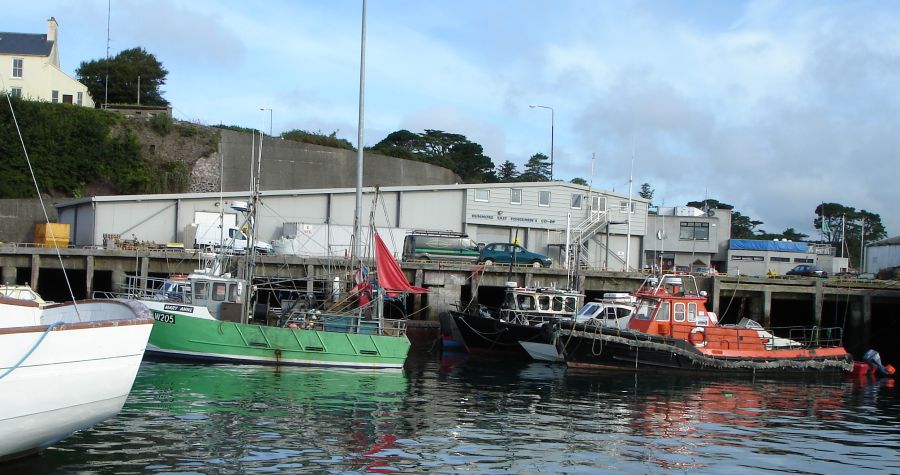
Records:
x=459, y=415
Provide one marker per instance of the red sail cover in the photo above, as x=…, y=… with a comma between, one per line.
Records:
x=390, y=277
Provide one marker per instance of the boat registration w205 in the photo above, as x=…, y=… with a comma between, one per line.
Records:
x=163, y=317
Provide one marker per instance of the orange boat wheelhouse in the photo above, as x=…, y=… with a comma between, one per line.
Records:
x=672, y=328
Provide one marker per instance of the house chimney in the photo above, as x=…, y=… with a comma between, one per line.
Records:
x=52, y=27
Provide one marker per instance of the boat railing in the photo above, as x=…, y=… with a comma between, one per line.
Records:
x=817, y=337
x=345, y=323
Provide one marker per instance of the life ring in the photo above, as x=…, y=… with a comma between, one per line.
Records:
x=697, y=337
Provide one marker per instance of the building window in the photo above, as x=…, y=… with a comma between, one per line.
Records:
x=482, y=195
x=78, y=97
x=693, y=231
x=577, y=198
x=803, y=260
x=18, y=65
x=15, y=91
x=544, y=198
x=515, y=196
x=780, y=259
x=598, y=203
x=747, y=258
x=624, y=206
x=54, y=96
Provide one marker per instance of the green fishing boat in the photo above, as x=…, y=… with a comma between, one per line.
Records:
x=204, y=317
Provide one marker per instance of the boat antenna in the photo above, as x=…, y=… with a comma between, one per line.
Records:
x=37, y=189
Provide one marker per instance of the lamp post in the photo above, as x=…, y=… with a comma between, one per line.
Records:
x=552, y=121
x=270, y=119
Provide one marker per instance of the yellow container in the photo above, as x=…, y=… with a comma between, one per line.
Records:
x=51, y=234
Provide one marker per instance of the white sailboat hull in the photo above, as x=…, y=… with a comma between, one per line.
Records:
x=77, y=375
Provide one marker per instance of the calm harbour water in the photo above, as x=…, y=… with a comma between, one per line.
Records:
x=451, y=415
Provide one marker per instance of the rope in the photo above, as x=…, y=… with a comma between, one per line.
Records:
x=29, y=352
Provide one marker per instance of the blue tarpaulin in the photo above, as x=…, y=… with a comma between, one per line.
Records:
x=754, y=245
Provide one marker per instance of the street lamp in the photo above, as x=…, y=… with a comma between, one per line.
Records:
x=270, y=119
x=551, y=135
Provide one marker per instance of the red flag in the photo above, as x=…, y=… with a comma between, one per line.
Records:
x=390, y=276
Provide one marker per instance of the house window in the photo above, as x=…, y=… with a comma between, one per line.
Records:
x=515, y=196
x=54, y=96
x=544, y=198
x=482, y=195
x=694, y=231
x=18, y=64
x=15, y=91
x=78, y=97
x=577, y=198
x=598, y=203
x=626, y=207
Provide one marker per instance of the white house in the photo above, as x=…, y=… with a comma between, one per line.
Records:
x=29, y=66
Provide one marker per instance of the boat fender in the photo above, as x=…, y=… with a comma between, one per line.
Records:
x=697, y=337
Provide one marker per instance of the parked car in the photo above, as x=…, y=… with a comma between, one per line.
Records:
x=502, y=253
x=807, y=270
x=424, y=245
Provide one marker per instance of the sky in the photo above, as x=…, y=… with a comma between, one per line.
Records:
x=771, y=106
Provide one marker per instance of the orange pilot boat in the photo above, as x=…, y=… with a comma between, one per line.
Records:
x=672, y=329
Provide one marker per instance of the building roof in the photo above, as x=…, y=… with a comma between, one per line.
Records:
x=25, y=44
x=309, y=191
x=886, y=242
x=761, y=245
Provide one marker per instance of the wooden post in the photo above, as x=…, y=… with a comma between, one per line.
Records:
x=89, y=276
x=35, y=270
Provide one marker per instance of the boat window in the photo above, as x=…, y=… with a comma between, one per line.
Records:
x=644, y=311
x=544, y=302
x=679, y=311
x=571, y=304
x=233, y=293
x=692, y=312
x=218, y=291
x=662, y=315
x=557, y=304
x=525, y=302
x=623, y=312
x=611, y=313
x=201, y=290
x=587, y=309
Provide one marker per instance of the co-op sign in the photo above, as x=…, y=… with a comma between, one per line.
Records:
x=500, y=217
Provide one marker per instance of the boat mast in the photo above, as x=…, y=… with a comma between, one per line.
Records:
x=356, y=242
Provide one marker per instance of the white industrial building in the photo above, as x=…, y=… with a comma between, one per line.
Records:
x=545, y=217
x=758, y=257
x=884, y=254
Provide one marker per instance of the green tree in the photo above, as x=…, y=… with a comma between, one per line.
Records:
x=536, y=169
x=742, y=227
x=318, y=138
x=507, y=172
x=400, y=144
x=128, y=71
x=579, y=181
x=647, y=192
x=452, y=151
x=844, y=226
